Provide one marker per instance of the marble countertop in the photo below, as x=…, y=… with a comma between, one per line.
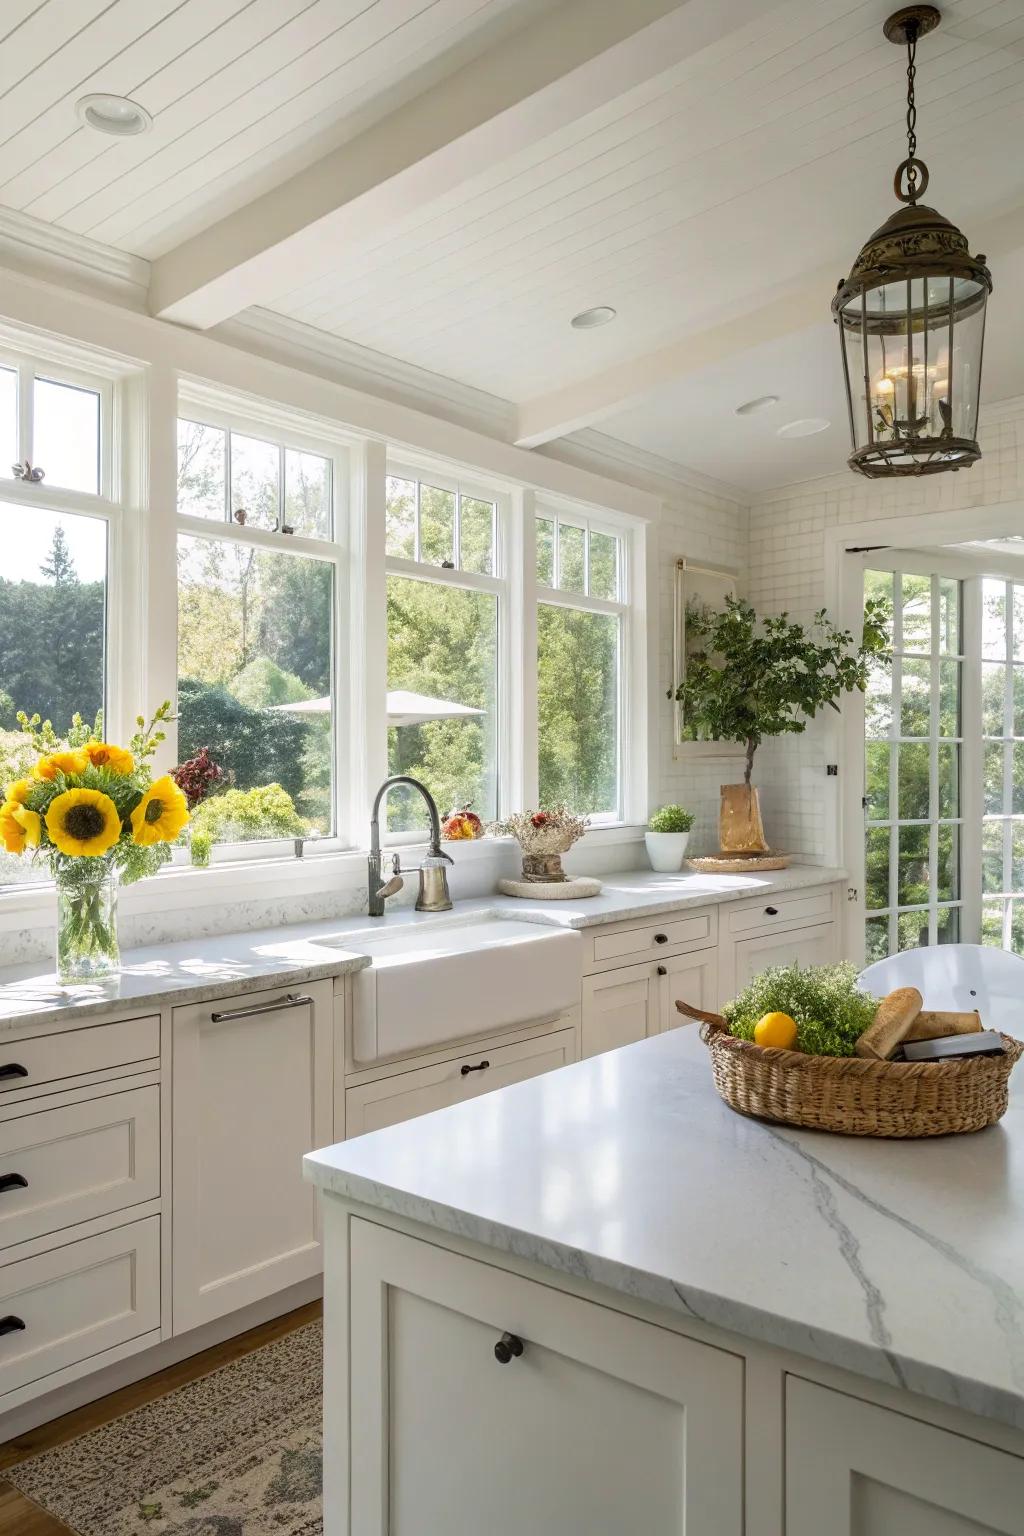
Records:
x=901, y=1261
x=217, y=965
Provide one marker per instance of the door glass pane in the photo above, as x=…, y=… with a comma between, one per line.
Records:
x=992, y=923
x=66, y=435
x=476, y=535
x=992, y=857
x=8, y=422
x=949, y=616
x=52, y=635
x=201, y=456
x=307, y=494
x=571, y=558
x=437, y=526
x=948, y=927
x=917, y=612
x=876, y=939
x=912, y=930
x=878, y=754
x=915, y=717
x=913, y=878
x=914, y=780
x=578, y=708
x=947, y=878
x=400, y=518
x=255, y=645
x=877, y=869
x=993, y=698
x=993, y=757
x=949, y=698
x=545, y=552
x=993, y=620
x=443, y=648
x=878, y=701
x=255, y=481
x=949, y=779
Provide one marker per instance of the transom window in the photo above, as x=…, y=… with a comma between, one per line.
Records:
x=580, y=643
x=232, y=476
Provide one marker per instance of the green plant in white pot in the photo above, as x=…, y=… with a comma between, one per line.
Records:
x=667, y=835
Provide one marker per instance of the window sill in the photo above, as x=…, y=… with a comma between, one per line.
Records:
x=178, y=886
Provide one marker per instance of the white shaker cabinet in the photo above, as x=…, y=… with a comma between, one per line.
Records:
x=634, y=1001
x=253, y=1092
x=856, y=1469
x=596, y=1419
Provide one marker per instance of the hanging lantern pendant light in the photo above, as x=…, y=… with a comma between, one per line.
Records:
x=911, y=318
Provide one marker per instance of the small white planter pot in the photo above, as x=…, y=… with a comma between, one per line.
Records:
x=666, y=850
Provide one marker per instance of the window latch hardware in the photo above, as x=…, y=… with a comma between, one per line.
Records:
x=28, y=472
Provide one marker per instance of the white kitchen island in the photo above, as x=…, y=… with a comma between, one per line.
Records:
x=725, y=1327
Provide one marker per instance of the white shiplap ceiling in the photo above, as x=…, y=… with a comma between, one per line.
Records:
x=715, y=189
x=242, y=93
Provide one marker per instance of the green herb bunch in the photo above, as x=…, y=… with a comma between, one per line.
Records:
x=671, y=818
x=829, y=1010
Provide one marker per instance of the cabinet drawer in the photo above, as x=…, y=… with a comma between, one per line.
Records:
x=781, y=911
x=655, y=938
x=63, y=1166
x=67, y=1305
x=75, y=1052
x=371, y=1106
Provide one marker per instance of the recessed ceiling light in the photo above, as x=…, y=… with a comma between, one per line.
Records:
x=807, y=426
x=762, y=403
x=113, y=114
x=590, y=319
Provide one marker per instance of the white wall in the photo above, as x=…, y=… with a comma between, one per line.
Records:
x=787, y=571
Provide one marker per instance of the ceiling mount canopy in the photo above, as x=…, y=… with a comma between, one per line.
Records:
x=911, y=319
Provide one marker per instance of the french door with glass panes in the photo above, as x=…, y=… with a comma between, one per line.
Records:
x=914, y=766
x=1002, y=745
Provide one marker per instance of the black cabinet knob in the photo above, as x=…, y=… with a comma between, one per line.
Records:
x=508, y=1348
x=661, y=938
x=662, y=970
x=11, y=1324
x=771, y=911
x=12, y=1181
x=13, y=1069
x=481, y=1066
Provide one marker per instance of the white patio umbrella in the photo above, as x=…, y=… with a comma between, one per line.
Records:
x=404, y=708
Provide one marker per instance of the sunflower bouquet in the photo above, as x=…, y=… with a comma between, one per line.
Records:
x=96, y=815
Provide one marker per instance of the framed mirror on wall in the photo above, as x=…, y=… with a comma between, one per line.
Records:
x=709, y=586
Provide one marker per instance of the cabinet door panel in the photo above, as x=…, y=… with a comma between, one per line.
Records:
x=691, y=978
x=603, y=1421
x=618, y=1008
x=854, y=1469
x=801, y=946
x=252, y=1095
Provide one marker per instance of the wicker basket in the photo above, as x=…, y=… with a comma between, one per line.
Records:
x=853, y=1096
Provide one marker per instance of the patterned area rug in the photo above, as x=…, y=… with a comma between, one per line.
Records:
x=235, y=1453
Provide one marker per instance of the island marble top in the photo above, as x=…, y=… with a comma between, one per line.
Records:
x=900, y=1260
x=217, y=964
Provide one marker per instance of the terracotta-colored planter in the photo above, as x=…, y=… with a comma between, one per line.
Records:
x=740, y=829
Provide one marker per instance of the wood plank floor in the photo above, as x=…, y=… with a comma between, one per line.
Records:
x=19, y=1517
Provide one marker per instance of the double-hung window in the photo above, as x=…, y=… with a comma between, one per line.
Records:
x=581, y=642
x=260, y=507
x=447, y=612
x=59, y=517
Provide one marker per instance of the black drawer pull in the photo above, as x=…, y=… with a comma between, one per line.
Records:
x=481, y=1066
x=13, y=1069
x=508, y=1348
x=661, y=938
x=771, y=911
x=662, y=970
x=11, y=1324
x=12, y=1181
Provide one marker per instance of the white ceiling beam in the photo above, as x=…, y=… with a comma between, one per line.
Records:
x=795, y=308
x=580, y=56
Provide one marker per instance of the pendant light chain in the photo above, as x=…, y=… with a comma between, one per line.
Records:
x=911, y=113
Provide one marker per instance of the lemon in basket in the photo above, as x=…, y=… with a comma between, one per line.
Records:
x=776, y=1029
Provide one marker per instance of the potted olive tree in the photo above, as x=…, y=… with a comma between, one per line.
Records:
x=667, y=835
x=748, y=678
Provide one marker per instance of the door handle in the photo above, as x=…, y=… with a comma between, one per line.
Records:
x=11, y=1324
x=12, y=1181
x=13, y=1069
x=290, y=1000
x=481, y=1066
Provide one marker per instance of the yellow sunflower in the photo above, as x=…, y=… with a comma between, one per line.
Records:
x=61, y=762
x=19, y=828
x=160, y=814
x=103, y=755
x=83, y=822
x=19, y=791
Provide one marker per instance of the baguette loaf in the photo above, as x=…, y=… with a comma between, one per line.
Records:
x=937, y=1026
x=893, y=1018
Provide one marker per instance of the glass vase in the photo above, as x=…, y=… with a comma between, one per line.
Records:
x=86, y=922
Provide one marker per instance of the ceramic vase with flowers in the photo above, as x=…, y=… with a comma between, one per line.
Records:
x=543, y=837
x=94, y=813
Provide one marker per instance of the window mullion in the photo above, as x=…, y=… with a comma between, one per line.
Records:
x=972, y=756
x=26, y=409
x=521, y=785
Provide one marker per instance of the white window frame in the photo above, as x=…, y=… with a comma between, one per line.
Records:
x=498, y=585
x=630, y=688
x=207, y=405
x=1008, y=817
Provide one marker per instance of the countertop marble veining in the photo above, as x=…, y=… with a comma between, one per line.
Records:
x=901, y=1261
x=195, y=970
